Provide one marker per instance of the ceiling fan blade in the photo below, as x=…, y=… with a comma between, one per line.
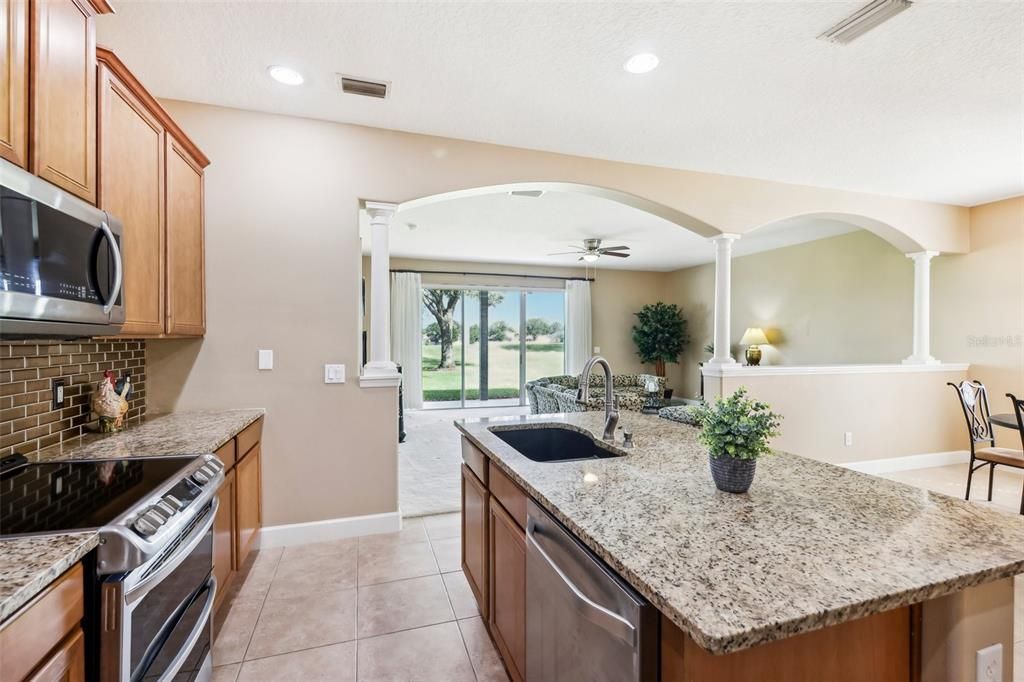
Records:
x=564, y=253
x=605, y=249
x=616, y=254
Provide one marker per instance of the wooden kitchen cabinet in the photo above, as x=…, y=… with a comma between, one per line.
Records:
x=186, y=280
x=66, y=663
x=131, y=187
x=475, y=549
x=224, y=533
x=62, y=135
x=248, y=512
x=14, y=81
x=507, y=588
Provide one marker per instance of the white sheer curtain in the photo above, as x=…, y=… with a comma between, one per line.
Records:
x=407, y=334
x=578, y=342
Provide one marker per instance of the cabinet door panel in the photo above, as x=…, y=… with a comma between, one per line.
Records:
x=474, y=537
x=14, y=81
x=186, y=302
x=67, y=663
x=508, y=589
x=63, y=93
x=224, y=563
x=247, y=502
x=131, y=141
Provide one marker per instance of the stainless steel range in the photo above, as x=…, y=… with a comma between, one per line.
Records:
x=150, y=596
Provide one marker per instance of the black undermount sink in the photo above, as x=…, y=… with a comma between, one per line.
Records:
x=552, y=444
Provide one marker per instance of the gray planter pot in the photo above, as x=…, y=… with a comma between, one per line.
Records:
x=732, y=475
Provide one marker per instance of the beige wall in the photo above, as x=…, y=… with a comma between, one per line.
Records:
x=978, y=306
x=843, y=300
x=282, y=264
x=617, y=294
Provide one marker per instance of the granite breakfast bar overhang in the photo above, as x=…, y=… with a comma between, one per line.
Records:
x=812, y=545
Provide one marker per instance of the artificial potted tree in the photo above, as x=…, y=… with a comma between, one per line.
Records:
x=660, y=336
x=736, y=431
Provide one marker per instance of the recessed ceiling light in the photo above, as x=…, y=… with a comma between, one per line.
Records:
x=282, y=74
x=641, y=63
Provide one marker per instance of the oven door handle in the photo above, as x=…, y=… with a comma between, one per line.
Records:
x=118, y=267
x=204, y=622
x=143, y=588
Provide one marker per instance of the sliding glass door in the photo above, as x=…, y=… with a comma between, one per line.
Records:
x=481, y=345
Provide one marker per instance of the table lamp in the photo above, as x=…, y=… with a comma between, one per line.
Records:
x=753, y=338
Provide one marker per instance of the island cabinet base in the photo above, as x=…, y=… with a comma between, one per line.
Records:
x=878, y=648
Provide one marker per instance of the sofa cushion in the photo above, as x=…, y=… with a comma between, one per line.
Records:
x=683, y=414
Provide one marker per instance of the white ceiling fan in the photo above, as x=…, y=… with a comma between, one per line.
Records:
x=592, y=250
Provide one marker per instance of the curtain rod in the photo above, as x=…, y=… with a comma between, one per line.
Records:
x=496, y=274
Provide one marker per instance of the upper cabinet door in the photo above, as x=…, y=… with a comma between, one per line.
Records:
x=63, y=136
x=131, y=187
x=14, y=81
x=186, y=302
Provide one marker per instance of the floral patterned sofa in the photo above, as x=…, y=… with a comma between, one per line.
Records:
x=684, y=414
x=558, y=393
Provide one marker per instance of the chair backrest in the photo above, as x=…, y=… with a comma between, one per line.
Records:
x=1018, y=409
x=974, y=402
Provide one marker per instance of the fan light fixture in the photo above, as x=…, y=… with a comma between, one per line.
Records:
x=863, y=20
x=590, y=257
x=641, y=63
x=283, y=74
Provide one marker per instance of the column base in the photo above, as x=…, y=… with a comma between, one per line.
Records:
x=380, y=374
x=914, y=360
x=720, y=362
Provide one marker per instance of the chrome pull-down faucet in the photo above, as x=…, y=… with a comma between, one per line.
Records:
x=611, y=407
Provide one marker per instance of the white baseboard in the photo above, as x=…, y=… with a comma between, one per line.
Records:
x=329, y=529
x=932, y=459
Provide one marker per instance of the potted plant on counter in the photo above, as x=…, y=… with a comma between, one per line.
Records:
x=736, y=431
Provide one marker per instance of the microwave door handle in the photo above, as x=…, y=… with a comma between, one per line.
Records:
x=117, y=267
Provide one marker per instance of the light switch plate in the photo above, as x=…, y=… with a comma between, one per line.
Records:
x=266, y=359
x=989, y=664
x=597, y=350
x=334, y=374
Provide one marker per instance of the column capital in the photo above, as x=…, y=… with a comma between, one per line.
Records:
x=925, y=256
x=725, y=237
x=380, y=209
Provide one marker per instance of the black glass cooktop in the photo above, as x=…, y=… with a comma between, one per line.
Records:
x=63, y=496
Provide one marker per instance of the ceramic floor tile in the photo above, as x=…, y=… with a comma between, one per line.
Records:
x=255, y=576
x=410, y=533
x=448, y=553
x=225, y=673
x=335, y=663
x=304, y=573
x=461, y=596
x=484, y=657
x=435, y=653
x=237, y=625
x=295, y=623
x=443, y=526
x=379, y=564
x=402, y=605
x=317, y=549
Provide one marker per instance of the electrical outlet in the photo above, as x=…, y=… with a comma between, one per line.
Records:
x=848, y=438
x=58, y=393
x=989, y=664
x=597, y=350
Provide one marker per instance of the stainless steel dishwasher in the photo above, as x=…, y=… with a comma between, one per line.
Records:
x=583, y=622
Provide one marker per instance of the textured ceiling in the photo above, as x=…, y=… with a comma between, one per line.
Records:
x=498, y=228
x=927, y=106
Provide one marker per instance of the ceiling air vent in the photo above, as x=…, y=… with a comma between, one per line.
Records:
x=361, y=86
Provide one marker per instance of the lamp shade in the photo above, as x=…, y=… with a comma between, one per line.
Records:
x=754, y=336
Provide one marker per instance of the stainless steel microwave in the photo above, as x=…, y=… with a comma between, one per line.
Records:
x=61, y=270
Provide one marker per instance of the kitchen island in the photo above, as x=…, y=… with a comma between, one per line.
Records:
x=813, y=556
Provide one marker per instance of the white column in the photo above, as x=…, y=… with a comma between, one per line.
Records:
x=380, y=370
x=922, y=354
x=723, y=298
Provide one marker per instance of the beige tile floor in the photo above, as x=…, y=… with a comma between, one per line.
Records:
x=383, y=607
x=1006, y=492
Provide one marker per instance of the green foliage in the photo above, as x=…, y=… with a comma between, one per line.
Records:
x=660, y=333
x=452, y=394
x=737, y=426
x=709, y=349
x=432, y=333
x=498, y=330
x=474, y=333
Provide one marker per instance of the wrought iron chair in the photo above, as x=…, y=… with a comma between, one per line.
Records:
x=1018, y=409
x=974, y=402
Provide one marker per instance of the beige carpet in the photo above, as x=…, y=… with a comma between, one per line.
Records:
x=430, y=457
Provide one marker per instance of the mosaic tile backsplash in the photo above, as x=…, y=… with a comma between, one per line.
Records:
x=28, y=421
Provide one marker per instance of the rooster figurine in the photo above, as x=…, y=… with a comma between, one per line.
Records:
x=110, y=404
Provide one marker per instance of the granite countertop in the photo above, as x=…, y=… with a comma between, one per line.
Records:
x=29, y=564
x=177, y=433
x=811, y=545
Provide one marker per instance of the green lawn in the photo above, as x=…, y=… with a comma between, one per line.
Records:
x=542, y=359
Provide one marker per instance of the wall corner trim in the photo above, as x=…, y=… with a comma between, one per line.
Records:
x=329, y=529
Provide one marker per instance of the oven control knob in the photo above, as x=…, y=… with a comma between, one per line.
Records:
x=215, y=465
x=173, y=502
x=144, y=527
x=201, y=477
